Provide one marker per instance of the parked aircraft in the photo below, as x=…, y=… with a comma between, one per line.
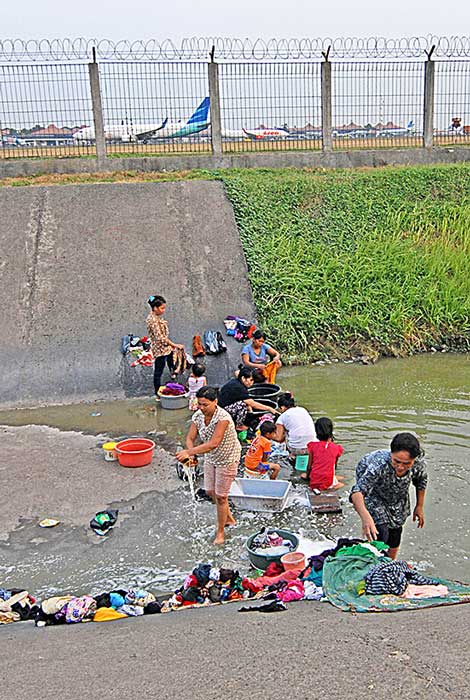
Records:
x=127, y=131
x=397, y=131
x=267, y=134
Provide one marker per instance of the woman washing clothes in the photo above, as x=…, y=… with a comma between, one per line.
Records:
x=234, y=397
x=257, y=354
x=214, y=428
x=294, y=425
x=162, y=346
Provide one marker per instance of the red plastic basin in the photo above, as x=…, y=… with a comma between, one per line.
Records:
x=135, y=452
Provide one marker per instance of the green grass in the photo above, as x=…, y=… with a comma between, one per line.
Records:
x=346, y=262
x=353, y=262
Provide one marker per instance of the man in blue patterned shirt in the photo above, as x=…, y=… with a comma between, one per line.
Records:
x=381, y=494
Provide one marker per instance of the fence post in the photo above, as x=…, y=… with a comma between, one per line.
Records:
x=214, y=96
x=94, y=76
x=326, y=101
x=428, y=126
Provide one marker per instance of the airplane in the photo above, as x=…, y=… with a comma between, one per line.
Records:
x=8, y=141
x=397, y=131
x=128, y=132
x=266, y=134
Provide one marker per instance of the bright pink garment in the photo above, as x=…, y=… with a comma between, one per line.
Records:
x=293, y=591
x=429, y=591
x=269, y=580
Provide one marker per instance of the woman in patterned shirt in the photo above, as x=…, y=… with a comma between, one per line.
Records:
x=162, y=346
x=218, y=441
x=381, y=493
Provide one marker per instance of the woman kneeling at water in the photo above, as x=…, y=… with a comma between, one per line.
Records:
x=236, y=400
x=215, y=429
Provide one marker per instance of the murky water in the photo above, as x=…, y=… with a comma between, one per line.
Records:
x=429, y=395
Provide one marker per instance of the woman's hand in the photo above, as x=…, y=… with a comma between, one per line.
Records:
x=183, y=455
x=369, y=529
x=418, y=514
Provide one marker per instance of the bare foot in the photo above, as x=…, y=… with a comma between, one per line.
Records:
x=219, y=539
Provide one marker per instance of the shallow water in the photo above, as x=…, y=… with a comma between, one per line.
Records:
x=428, y=394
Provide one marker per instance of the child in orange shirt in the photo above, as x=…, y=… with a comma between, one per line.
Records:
x=259, y=451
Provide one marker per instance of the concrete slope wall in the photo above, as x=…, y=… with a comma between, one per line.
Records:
x=77, y=265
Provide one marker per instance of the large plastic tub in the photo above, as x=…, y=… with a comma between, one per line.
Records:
x=265, y=402
x=264, y=391
x=262, y=561
x=173, y=402
x=260, y=494
x=135, y=452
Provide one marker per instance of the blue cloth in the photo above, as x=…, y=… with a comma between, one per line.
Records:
x=4, y=594
x=116, y=600
x=260, y=359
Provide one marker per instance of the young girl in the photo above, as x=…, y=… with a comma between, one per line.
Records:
x=323, y=457
x=196, y=381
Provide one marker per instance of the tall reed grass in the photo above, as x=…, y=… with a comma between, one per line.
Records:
x=357, y=261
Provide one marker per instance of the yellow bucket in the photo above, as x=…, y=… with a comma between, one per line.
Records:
x=109, y=453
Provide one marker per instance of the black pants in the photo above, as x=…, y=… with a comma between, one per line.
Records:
x=389, y=535
x=159, y=367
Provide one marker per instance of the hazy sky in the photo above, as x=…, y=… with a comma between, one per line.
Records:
x=176, y=19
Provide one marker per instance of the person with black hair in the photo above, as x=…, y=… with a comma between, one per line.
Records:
x=381, y=496
x=323, y=457
x=257, y=354
x=256, y=459
x=235, y=398
x=162, y=346
x=214, y=428
x=295, y=425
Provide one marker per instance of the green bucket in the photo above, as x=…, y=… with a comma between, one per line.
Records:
x=301, y=463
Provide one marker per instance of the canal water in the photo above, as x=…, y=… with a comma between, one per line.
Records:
x=426, y=394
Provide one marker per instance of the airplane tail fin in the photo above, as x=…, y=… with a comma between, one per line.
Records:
x=410, y=124
x=200, y=115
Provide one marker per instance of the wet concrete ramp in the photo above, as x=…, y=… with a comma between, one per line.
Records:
x=77, y=265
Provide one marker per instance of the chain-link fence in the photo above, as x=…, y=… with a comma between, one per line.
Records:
x=142, y=100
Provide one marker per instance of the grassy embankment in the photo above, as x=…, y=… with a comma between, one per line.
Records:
x=350, y=263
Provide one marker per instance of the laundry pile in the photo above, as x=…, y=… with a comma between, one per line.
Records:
x=269, y=542
x=354, y=576
x=239, y=328
x=173, y=389
x=358, y=576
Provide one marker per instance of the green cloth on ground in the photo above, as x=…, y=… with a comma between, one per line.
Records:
x=343, y=574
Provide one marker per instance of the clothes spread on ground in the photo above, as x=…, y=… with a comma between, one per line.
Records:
x=273, y=606
x=323, y=455
x=344, y=584
x=239, y=328
x=198, y=347
x=386, y=495
x=425, y=591
x=393, y=577
x=232, y=392
x=299, y=426
x=144, y=358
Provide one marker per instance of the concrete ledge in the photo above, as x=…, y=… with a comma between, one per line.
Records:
x=304, y=159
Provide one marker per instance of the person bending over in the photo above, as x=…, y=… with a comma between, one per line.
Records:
x=381, y=495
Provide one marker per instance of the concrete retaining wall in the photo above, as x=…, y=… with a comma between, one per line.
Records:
x=303, y=159
x=78, y=263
